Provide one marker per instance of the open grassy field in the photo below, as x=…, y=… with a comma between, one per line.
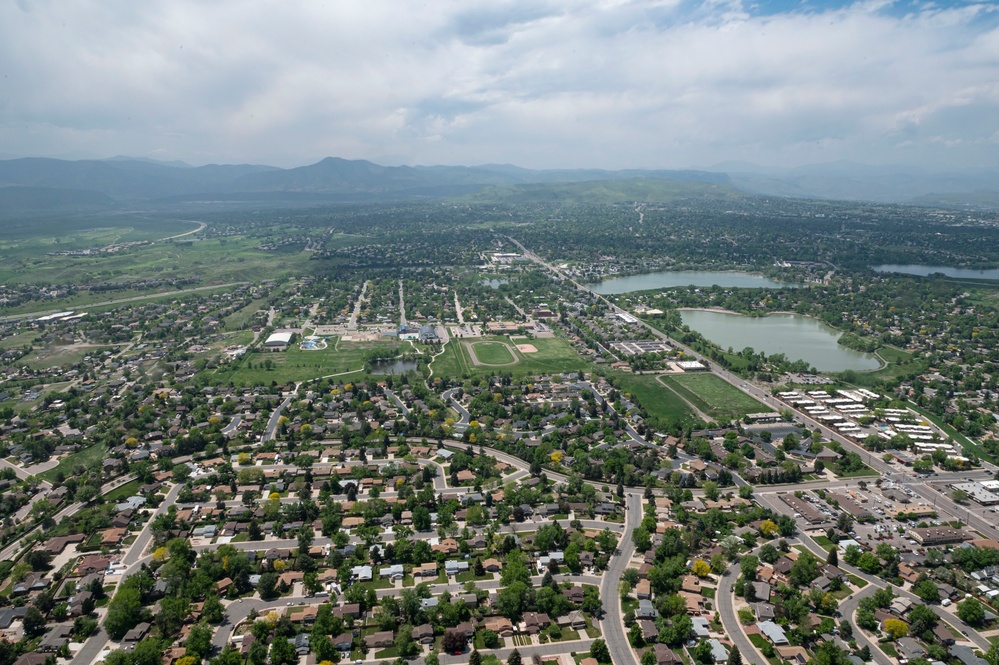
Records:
x=297, y=365
x=86, y=457
x=493, y=353
x=714, y=396
x=553, y=355
x=657, y=400
x=55, y=356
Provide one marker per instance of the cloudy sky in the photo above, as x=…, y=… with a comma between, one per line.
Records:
x=538, y=83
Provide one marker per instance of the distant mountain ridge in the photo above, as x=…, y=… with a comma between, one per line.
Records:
x=124, y=180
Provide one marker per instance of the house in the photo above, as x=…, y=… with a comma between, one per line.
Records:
x=302, y=644
x=691, y=584
x=643, y=589
x=361, y=573
x=718, y=652
x=222, y=586
x=135, y=636
x=909, y=648
x=467, y=628
x=762, y=591
x=700, y=627
x=492, y=565
x=665, y=655
x=796, y=655
x=380, y=640
x=343, y=642
x=499, y=625
x=534, y=623
x=428, y=569
x=773, y=632
x=646, y=610
x=574, y=594
x=424, y=634
x=58, y=637
x=966, y=655
x=395, y=572
x=693, y=601
x=576, y=620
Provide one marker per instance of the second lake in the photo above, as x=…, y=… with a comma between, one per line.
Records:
x=797, y=337
x=671, y=279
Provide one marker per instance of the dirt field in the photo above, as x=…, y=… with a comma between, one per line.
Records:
x=527, y=348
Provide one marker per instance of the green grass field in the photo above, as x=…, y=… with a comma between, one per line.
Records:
x=658, y=401
x=553, y=355
x=714, y=396
x=493, y=353
x=297, y=365
x=86, y=457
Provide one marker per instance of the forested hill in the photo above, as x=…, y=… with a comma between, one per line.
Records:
x=123, y=180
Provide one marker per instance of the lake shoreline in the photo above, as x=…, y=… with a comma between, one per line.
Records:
x=797, y=336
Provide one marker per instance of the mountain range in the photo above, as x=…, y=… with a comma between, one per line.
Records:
x=32, y=183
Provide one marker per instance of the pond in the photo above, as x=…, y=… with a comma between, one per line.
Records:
x=916, y=269
x=797, y=337
x=393, y=366
x=495, y=283
x=673, y=279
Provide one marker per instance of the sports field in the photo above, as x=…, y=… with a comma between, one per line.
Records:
x=552, y=355
x=714, y=396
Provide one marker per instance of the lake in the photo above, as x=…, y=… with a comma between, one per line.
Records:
x=798, y=337
x=962, y=273
x=680, y=278
x=393, y=366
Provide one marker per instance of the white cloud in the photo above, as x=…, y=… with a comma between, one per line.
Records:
x=539, y=83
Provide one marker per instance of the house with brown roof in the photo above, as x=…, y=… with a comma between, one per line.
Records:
x=113, y=537
x=499, y=625
x=380, y=640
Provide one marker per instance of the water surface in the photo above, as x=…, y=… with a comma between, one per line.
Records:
x=797, y=337
x=393, y=366
x=679, y=278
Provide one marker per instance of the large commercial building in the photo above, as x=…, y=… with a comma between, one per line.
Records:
x=279, y=341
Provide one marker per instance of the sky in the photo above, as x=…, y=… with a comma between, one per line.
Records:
x=537, y=83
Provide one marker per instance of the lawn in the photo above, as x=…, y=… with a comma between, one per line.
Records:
x=553, y=355
x=297, y=365
x=657, y=400
x=67, y=464
x=824, y=542
x=858, y=582
x=123, y=492
x=493, y=353
x=714, y=396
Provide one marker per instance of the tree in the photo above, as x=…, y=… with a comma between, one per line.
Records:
x=649, y=658
x=199, y=642
x=734, y=657
x=212, y=611
x=748, y=567
x=971, y=612
x=267, y=586
x=124, y=612
x=490, y=639
x=635, y=636
x=926, y=590
x=768, y=528
x=282, y=652
x=33, y=622
x=599, y=651
x=833, y=557
x=454, y=641
x=896, y=629
x=475, y=658
x=700, y=568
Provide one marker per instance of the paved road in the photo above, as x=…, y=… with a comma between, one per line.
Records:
x=272, y=422
x=725, y=601
x=612, y=623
